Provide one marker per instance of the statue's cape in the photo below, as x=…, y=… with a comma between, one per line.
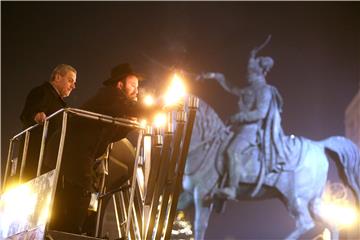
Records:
x=280, y=152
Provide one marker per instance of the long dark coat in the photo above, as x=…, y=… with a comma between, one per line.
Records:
x=43, y=98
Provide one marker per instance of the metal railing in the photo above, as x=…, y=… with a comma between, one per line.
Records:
x=147, y=211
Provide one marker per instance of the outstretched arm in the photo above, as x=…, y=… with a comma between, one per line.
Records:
x=220, y=78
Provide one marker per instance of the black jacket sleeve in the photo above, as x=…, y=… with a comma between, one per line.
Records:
x=35, y=102
x=111, y=101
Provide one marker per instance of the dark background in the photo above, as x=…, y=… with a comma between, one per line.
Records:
x=316, y=48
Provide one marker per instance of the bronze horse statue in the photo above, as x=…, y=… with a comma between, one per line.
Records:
x=300, y=188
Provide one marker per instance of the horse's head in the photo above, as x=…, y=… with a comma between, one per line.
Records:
x=207, y=128
x=207, y=124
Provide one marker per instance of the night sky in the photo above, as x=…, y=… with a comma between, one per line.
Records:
x=316, y=48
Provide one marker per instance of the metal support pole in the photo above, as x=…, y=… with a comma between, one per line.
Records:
x=59, y=159
x=193, y=106
x=156, y=148
x=155, y=165
x=104, y=171
x=169, y=186
x=42, y=147
x=133, y=183
x=116, y=215
x=24, y=155
x=123, y=212
x=159, y=187
x=10, y=153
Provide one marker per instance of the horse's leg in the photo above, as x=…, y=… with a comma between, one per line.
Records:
x=315, y=209
x=202, y=213
x=185, y=200
x=298, y=207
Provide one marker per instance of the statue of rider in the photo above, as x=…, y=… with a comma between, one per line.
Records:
x=257, y=124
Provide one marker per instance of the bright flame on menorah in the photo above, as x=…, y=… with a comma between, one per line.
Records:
x=159, y=120
x=176, y=91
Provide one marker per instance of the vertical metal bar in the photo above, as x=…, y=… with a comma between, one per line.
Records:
x=104, y=165
x=193, y=105
x=147, y=160
x=42, y=147
x=58, y=161
x=159, y=187
x=10, y=152
x=155, y=164
x=24, y=156
x=147, y=166
x=169, y=187
x=133, y=183
x=136, y=220
x=116, y=216
x=99, y=209
x=123, y=210
x=126, y=199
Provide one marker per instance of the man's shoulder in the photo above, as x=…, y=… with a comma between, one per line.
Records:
x=40, y=89
x=105, y=95
x=45, y=86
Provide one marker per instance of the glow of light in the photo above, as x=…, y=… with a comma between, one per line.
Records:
x=19, y=201
x=326, y=234
x=175, y=92
x=338, y=212
x=45, y=211
x=160, y=120
x=149, y=100
x=143, y=123
x=17, y=204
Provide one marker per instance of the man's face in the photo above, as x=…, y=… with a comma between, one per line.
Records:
x=130, y=87
x=65, y=83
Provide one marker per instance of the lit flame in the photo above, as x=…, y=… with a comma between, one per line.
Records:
x=160, y=120
x=176, y=91
x=149, y=100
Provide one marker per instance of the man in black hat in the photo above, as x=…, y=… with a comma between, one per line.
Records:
x=86, y=141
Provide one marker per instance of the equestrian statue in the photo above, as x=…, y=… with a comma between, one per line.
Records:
x=254, y=159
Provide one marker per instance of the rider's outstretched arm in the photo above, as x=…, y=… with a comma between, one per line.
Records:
x=220, y=78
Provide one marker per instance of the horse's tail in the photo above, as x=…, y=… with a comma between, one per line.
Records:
x=349, y=158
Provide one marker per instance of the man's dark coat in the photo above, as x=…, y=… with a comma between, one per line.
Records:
x=43, y=98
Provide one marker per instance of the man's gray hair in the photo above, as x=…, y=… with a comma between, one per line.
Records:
x=61, y=69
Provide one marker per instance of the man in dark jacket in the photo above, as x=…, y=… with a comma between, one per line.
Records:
x=41, y=102
x=86, y=140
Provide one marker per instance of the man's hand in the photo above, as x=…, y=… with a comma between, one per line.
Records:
x=40, y=117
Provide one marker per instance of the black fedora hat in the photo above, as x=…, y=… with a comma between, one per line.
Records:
x=120, y=71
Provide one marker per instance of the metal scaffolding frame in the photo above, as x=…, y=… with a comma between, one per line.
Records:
x=147, y=207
